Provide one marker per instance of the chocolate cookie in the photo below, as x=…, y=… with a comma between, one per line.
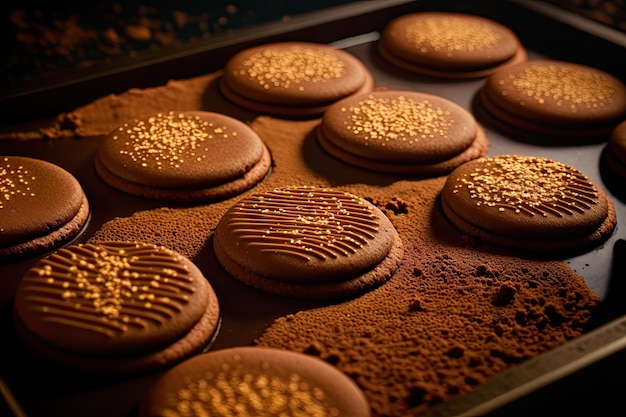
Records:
x=183, y=156
x=308, y=242
x=116, y=307
x=529, y=203
x=555, y=99
x=42, y=206
x=401, y=132
x=615, y=154
x=254, y=381
x=449, y=45
x=293, y=78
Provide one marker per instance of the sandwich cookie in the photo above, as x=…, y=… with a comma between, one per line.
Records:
x=183, y=156
x=116, y=307
x=308, y=242
x=547, y=99
x=529, y=203
x=401, y=132
x=615, y=154
x=293, y=78
x=42, y=206
x=255, y=382
x=449, y=45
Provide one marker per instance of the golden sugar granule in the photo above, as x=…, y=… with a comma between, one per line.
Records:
x=450, y=35
x=14, y=182
x=568, y=87
x=383, y=119
x=110, y=280
x=167, y=139
x=290, y=67
x=236, y=391
x=531, y=185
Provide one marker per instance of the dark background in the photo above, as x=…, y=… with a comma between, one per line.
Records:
x=43, y=38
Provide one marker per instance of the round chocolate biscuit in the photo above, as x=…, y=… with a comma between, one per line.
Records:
x=615, y=154
x=308, y=242
x=450, y=45
x=401, y=132
x=555, y=99
x=42, y=206
x=255, y=382
x=293, y=78
x=183, y=156
x=116, y=306
x=528, y=202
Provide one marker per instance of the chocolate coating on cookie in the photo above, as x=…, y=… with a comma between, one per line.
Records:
x=183, y=155
x=182, y=150
x=293, y=78
x=41, y=206
x=449, y=44
x=451, y=40
x=399, y=127
x=305, y=235
x=112, y=299
x=556, y=95
x=615, y=154
x=255, y=381
x=294, y=73
x=526, y=198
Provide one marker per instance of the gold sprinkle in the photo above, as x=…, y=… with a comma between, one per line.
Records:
x=383, y=119
x=103, y=284
x=15, y=182
x=290, y=67
x=529, y=185
x=236, y=391
x=165, y=139
x=450, y=35
x=318, y=223
x=567, y=86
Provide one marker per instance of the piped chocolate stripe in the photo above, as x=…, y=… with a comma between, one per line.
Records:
x=304, y=222
x=529, y=185
x=110, y=287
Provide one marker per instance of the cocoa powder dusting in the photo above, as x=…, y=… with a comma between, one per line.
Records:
x=107, y=113
x=448, y=320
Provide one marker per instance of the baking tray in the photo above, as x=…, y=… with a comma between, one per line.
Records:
x=591, y=366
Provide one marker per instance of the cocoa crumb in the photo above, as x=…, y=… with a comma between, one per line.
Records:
x=417, y=305
x=505, y=294
x=69, y=121
x=397, y=206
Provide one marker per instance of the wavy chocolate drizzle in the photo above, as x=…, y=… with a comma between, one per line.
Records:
x=304, y=222
x=529, y=185
x=109, y=287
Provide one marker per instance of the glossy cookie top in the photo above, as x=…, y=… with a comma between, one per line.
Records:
x=399, y=127
x=255, y=381
x=450, y=41
x=305, y=235
x=36, y=197
x=298, y=73
x=181, y=150
x=111, y=298
x=525, y=197
x=557, y=93
x=617, y=142
x=615, y=156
